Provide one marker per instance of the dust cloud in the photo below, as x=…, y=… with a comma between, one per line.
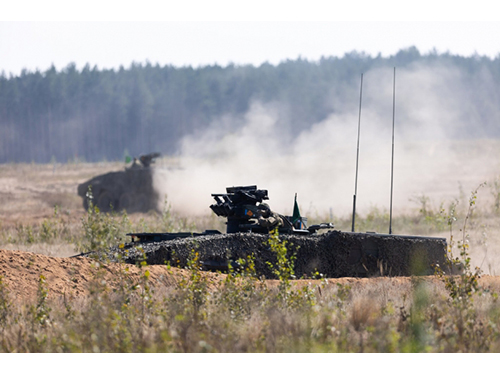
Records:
x=435, y=155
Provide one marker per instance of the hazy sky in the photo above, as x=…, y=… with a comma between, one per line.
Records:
x=33, y=36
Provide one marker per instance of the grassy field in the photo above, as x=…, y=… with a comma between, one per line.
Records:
x=41, y=213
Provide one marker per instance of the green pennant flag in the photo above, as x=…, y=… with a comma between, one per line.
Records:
x=296, y=212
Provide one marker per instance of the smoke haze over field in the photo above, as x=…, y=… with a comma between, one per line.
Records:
x=434, y=116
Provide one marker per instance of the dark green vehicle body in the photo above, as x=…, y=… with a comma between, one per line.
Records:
x=131, y=189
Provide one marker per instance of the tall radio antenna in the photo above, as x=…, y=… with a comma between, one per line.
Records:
x=357, y=157
x=392, y=161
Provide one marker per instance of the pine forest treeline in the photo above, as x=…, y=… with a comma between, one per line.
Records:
x=95, y=115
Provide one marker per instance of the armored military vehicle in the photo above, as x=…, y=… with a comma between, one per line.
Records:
x=333, y=253
x=131, y=189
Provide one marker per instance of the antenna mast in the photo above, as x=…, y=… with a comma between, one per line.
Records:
x=357, y=157
x=392, y=161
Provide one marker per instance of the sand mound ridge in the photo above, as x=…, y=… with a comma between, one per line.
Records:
x=21, y=271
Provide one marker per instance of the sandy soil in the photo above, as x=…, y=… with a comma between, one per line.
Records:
x=21, y=271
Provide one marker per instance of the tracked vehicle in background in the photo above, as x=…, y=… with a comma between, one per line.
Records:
x=333, y=253
x=131, y=190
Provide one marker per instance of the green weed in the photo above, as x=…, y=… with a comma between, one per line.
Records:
x=284, y=271
x=101, y=230
x=41, y=310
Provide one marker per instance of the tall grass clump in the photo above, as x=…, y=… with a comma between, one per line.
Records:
x=466, y=329
x=5, y=304
x=51, y=230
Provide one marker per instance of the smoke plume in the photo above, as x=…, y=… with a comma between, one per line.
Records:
x=434, y=117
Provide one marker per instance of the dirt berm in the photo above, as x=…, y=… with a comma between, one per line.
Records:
x=333, y=254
